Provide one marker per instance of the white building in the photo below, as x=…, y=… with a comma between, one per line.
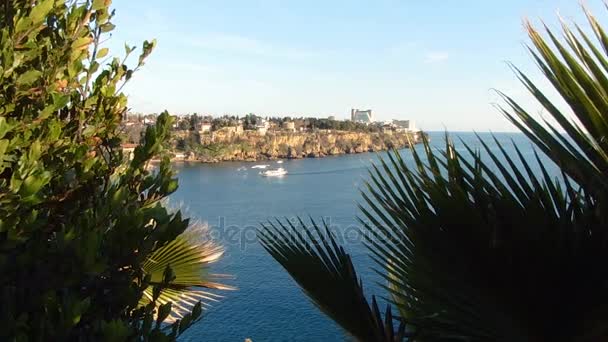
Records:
x=363, y=116
x=205, y=127
x=262, y=126
x=289, y=126
x=262, y=123
x=405, y=125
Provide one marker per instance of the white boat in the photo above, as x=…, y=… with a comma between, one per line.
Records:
x=260, y=166
x=274, y=172
x=279, y=162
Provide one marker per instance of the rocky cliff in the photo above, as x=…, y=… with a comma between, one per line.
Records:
x=251, y=146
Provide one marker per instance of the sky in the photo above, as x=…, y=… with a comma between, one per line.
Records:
x=435, y=62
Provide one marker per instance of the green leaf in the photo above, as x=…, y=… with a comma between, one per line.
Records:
x=3, y=146
x=172, y=186
x=129, y=49
x=102, y=52
x=60, y=100
x=107, y=27
x=41, y=10
x=4, y=127
x=163, y=312
x=146, y=50
x=98, y=4
x=81, y=43
x=35, y=151
x=197, y=310
x=28, y=77
x=33, y=183
x=185, y=322
x=23, y=24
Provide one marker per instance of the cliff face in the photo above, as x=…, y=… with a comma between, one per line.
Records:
x=250, y=146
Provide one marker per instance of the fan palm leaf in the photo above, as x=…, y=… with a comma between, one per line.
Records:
x=578, y=72
x=326, y=274
x=494, y=248
x=470, y=254
x=189, y=260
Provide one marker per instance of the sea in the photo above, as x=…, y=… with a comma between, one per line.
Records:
x=232, y=199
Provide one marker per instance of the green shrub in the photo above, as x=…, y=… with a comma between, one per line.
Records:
x=77, y=222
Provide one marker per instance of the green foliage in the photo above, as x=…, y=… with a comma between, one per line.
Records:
x=478, y=254
x=578, y=71
x=486, y=249
x=180, y=264
x=194, y=122
x=250, y=121
x=312, y=123
x=326, y=274
x=342, y=125
x=224, y=121
x=77, y=220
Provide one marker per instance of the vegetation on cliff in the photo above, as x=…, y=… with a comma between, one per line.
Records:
x=251, y=146
x=230, y=138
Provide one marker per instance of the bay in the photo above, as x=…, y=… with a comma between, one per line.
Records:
x=233, y=199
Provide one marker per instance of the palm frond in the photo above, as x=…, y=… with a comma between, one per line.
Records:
x=472, y=250
x=578, y=72
x=485, y=248
x=189, y=257
x=326, y=274
x=477, y=250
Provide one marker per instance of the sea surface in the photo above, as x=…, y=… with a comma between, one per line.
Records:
x=233, y=199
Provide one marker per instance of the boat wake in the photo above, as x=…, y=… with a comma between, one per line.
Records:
x=280, y=172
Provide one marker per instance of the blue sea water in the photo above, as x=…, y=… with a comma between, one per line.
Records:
x=233, y=199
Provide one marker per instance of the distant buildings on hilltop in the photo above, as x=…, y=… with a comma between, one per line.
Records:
x=205, y=127
x=367, y=117
x=289, y=126
x=406, y=125
x=362, y=116
x=134, y=124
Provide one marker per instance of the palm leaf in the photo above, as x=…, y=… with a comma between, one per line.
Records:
x=482, y=251
x=189, y=258
x=577, y=71
x=479, y=251
x=326, y=274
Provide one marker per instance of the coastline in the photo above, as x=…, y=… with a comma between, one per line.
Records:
x=206, y=161
x=292, y=146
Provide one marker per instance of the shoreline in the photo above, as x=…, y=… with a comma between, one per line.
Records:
x=271, y=159
x=254, y=148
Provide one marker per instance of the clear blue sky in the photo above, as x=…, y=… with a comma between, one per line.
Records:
x=432, y=61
